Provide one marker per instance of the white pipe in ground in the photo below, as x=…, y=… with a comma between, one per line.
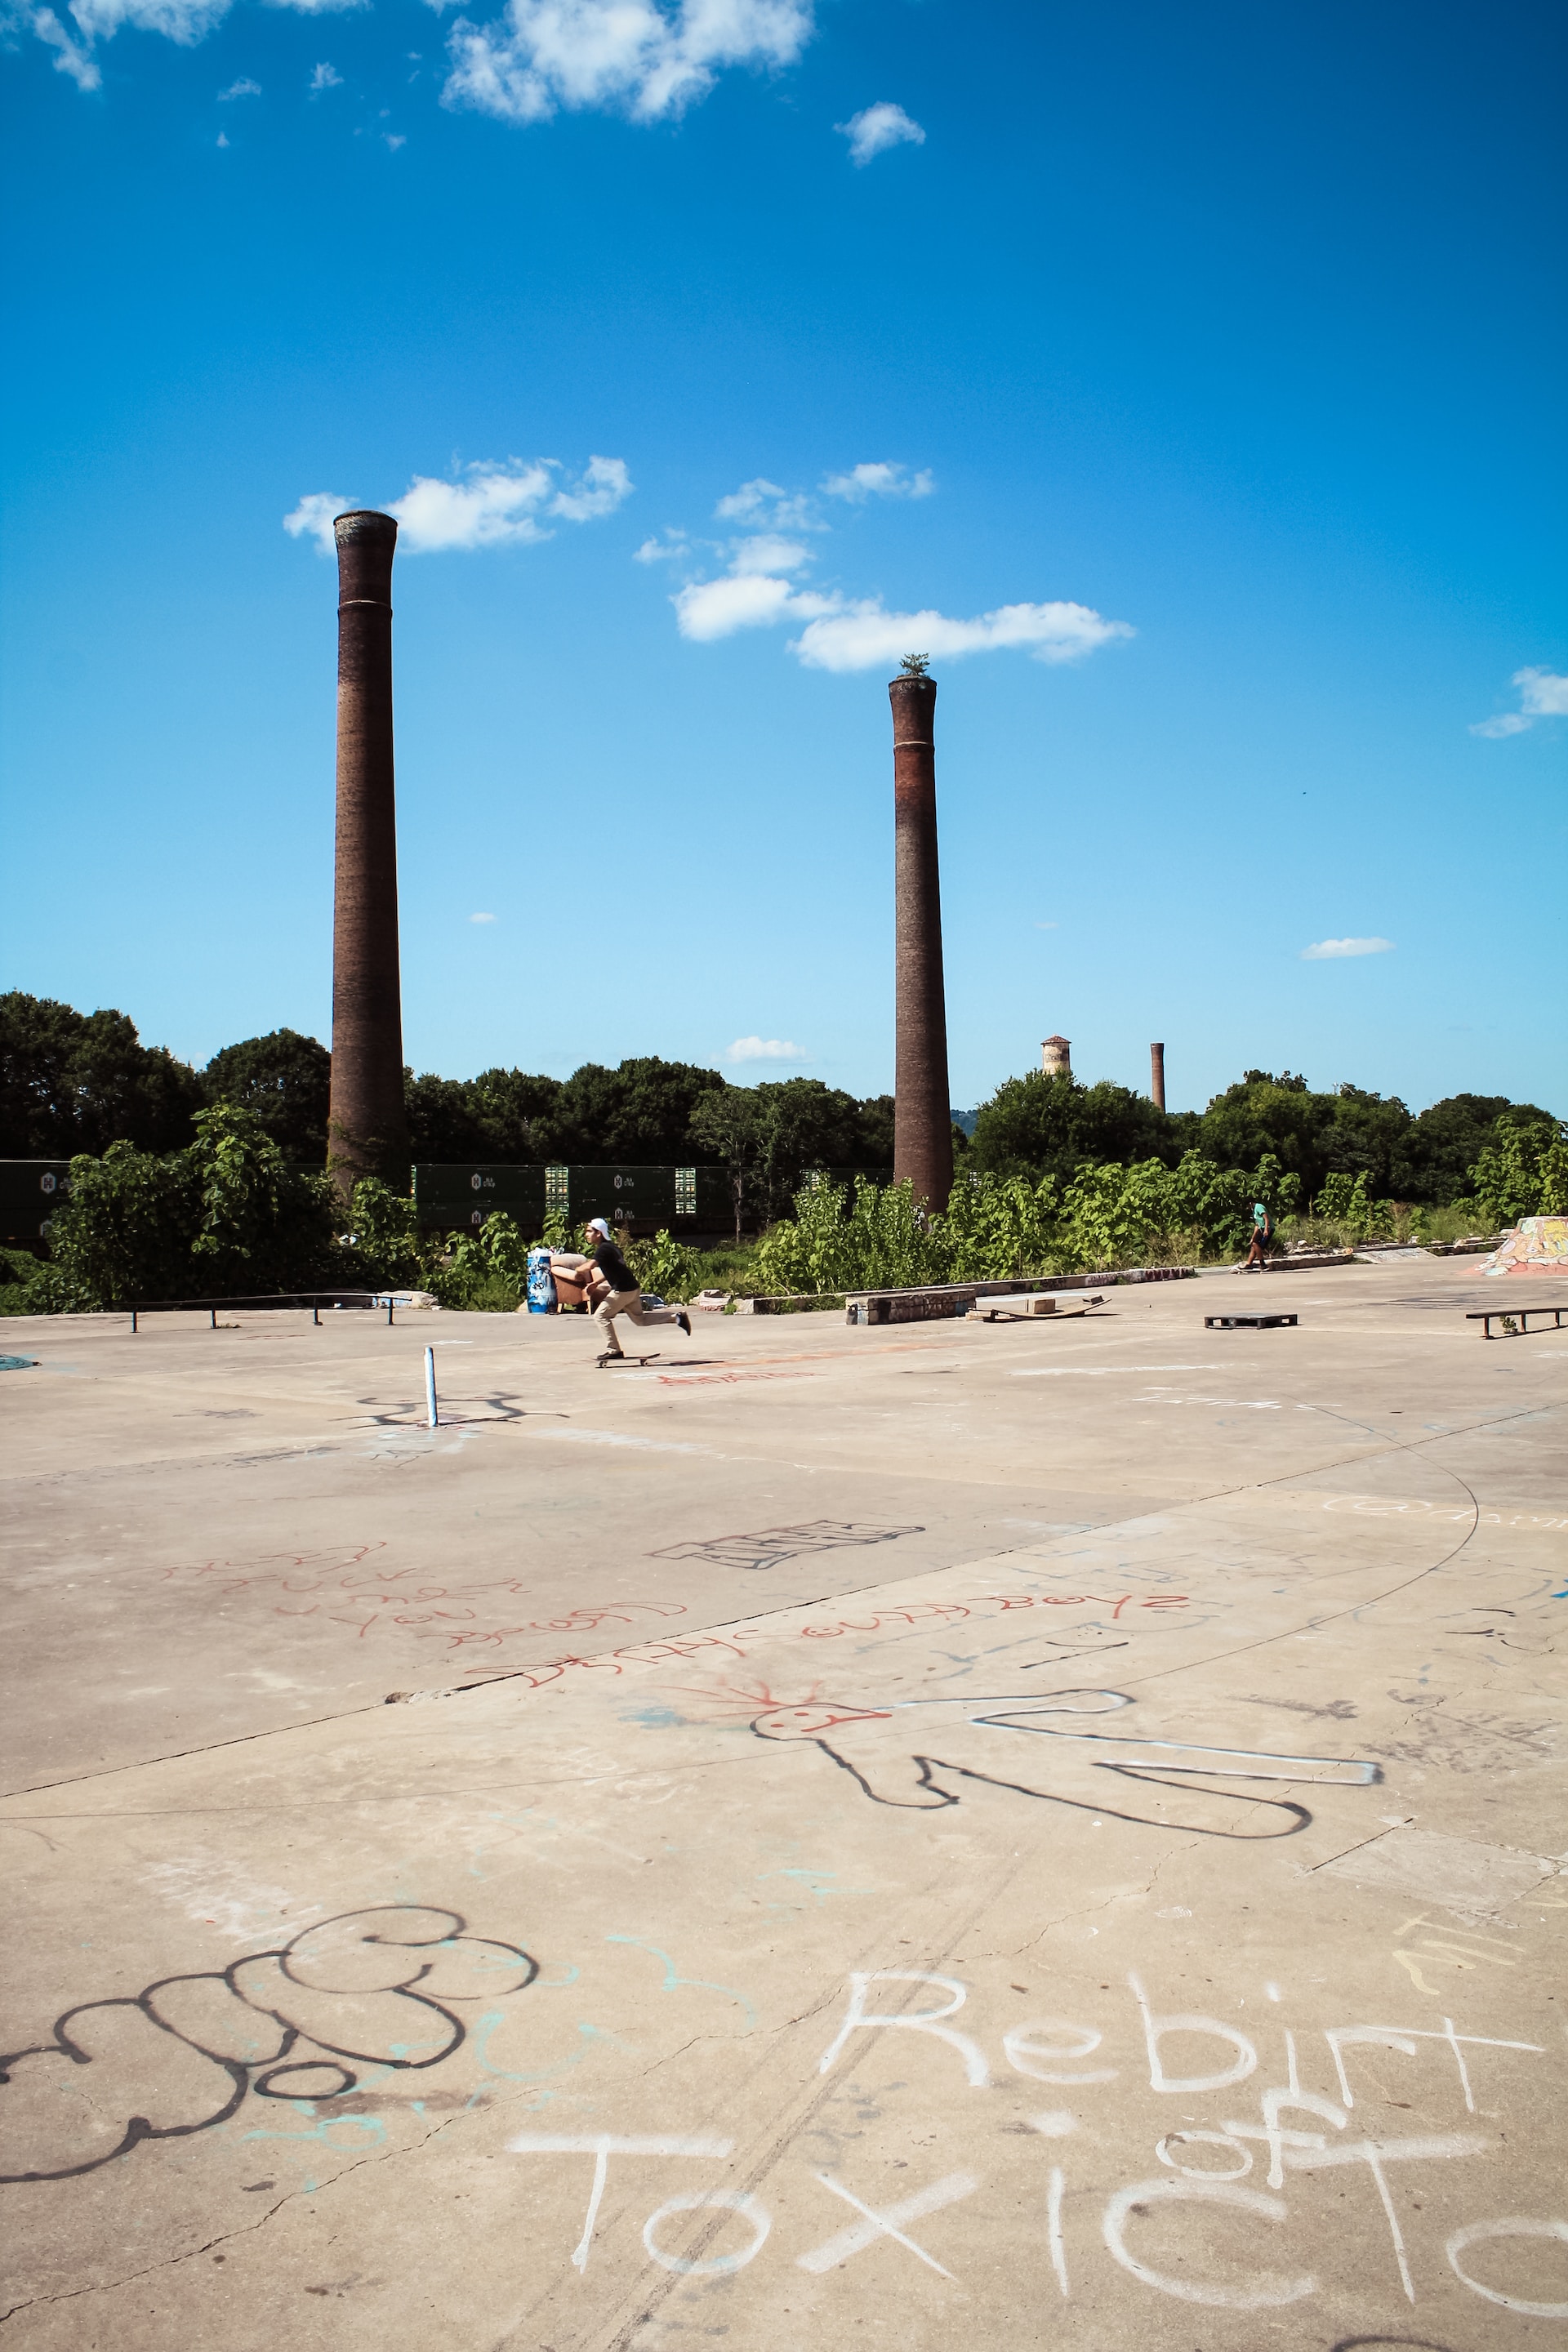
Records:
x=432, y=1418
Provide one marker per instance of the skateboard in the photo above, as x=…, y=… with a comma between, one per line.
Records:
x=605, y=1360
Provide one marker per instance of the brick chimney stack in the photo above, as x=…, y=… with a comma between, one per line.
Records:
x=367, y=1132
x=922, y=1118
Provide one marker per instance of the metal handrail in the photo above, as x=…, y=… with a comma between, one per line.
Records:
x=314, y=1300
x=1506, y=1315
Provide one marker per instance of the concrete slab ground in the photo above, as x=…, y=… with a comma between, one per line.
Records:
x=1001, y=1835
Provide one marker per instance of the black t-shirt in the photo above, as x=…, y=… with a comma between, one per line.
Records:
x=614, y=1267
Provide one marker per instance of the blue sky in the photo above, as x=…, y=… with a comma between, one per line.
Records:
x=1194, y=375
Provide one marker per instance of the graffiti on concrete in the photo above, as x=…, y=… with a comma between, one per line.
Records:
x=349, y=1585
x=368, y=1989
x=904, y=1755
x=1273, y=2131
x=770, y=1546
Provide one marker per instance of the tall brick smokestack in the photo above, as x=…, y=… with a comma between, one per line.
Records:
x=1157, y=1076
x=923, y=1118
x=367, y=1132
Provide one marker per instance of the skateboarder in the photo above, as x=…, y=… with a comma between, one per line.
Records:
x=1262, y=1234
x=617, y=1291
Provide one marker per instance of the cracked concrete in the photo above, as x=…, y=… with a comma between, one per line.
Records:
x=1011, y=1849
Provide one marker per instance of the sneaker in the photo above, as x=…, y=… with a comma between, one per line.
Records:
x=683, y=1322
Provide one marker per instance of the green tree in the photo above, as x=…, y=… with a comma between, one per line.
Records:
x=873, y=1141
x=1263, y=1113
x=286, y=1079
x=1364, y=1135
x=638, y=1114
x=1524, y=1173
x=1045, y=1124
x=73, y=1082
x=444, y=1122
x=728, y=1125
x=1441, y=1146
x=226, y=1216
x=515, y=1109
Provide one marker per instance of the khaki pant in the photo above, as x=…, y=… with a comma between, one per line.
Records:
x=629, y=1304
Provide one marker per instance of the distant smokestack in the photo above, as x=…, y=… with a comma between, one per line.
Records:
x=367, y=1132
x=1055, y=1058
x=923, y=1118
x=1157, y=1076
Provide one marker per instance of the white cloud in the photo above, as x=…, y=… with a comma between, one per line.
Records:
x=490, y=505
x=395, y=139
x=482, y=918
x=72, y=59
x=605, y=482
x=637, y=58
x=1048, y=926
x=183, y=21
x=717, y=608
x=766, y=552
x=325, y=77
x=882, y=481
x=1543, y=695
x=1321, y=952
x=864, y=636
x=223, y=138
x=842, y=633
x=763, y=502
x=314, y=514
x=243, y=88
x=765, y=1049
x=662, y=551
x=877, y=127
x=748, y=502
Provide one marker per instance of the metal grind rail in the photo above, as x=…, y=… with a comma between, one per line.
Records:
x=314, y=1300
x=1515, y=1320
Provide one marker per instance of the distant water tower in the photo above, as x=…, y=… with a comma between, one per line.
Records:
x=1055, y=1058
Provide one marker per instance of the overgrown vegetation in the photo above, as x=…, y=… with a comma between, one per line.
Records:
x=229, y=1215
x=1000, y=1227
x=188, y=1183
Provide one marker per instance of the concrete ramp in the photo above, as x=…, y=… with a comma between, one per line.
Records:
x=1536, y=1245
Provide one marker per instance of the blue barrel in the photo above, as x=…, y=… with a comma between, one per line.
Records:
x=541, y=1297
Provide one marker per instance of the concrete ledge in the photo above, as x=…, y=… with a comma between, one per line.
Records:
x=791, y=1302
x=932, y=1302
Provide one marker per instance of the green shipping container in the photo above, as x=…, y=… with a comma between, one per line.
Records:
x=30, y=1192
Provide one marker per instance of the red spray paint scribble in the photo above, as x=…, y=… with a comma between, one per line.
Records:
x=337, y=1583
x=347, y=1585
x=650, y=1653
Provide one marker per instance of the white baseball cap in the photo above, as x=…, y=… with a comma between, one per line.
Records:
x=598, y=1225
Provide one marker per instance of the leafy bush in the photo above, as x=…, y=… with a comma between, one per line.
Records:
x=997, y=1229
x=20, y=1293
x=386, y=1238
x=484, y=1271
x=1524, y=1173
x=666, y=1266
x=227, y=1214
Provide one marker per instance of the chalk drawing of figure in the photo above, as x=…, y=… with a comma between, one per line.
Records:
x=898, y=1752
